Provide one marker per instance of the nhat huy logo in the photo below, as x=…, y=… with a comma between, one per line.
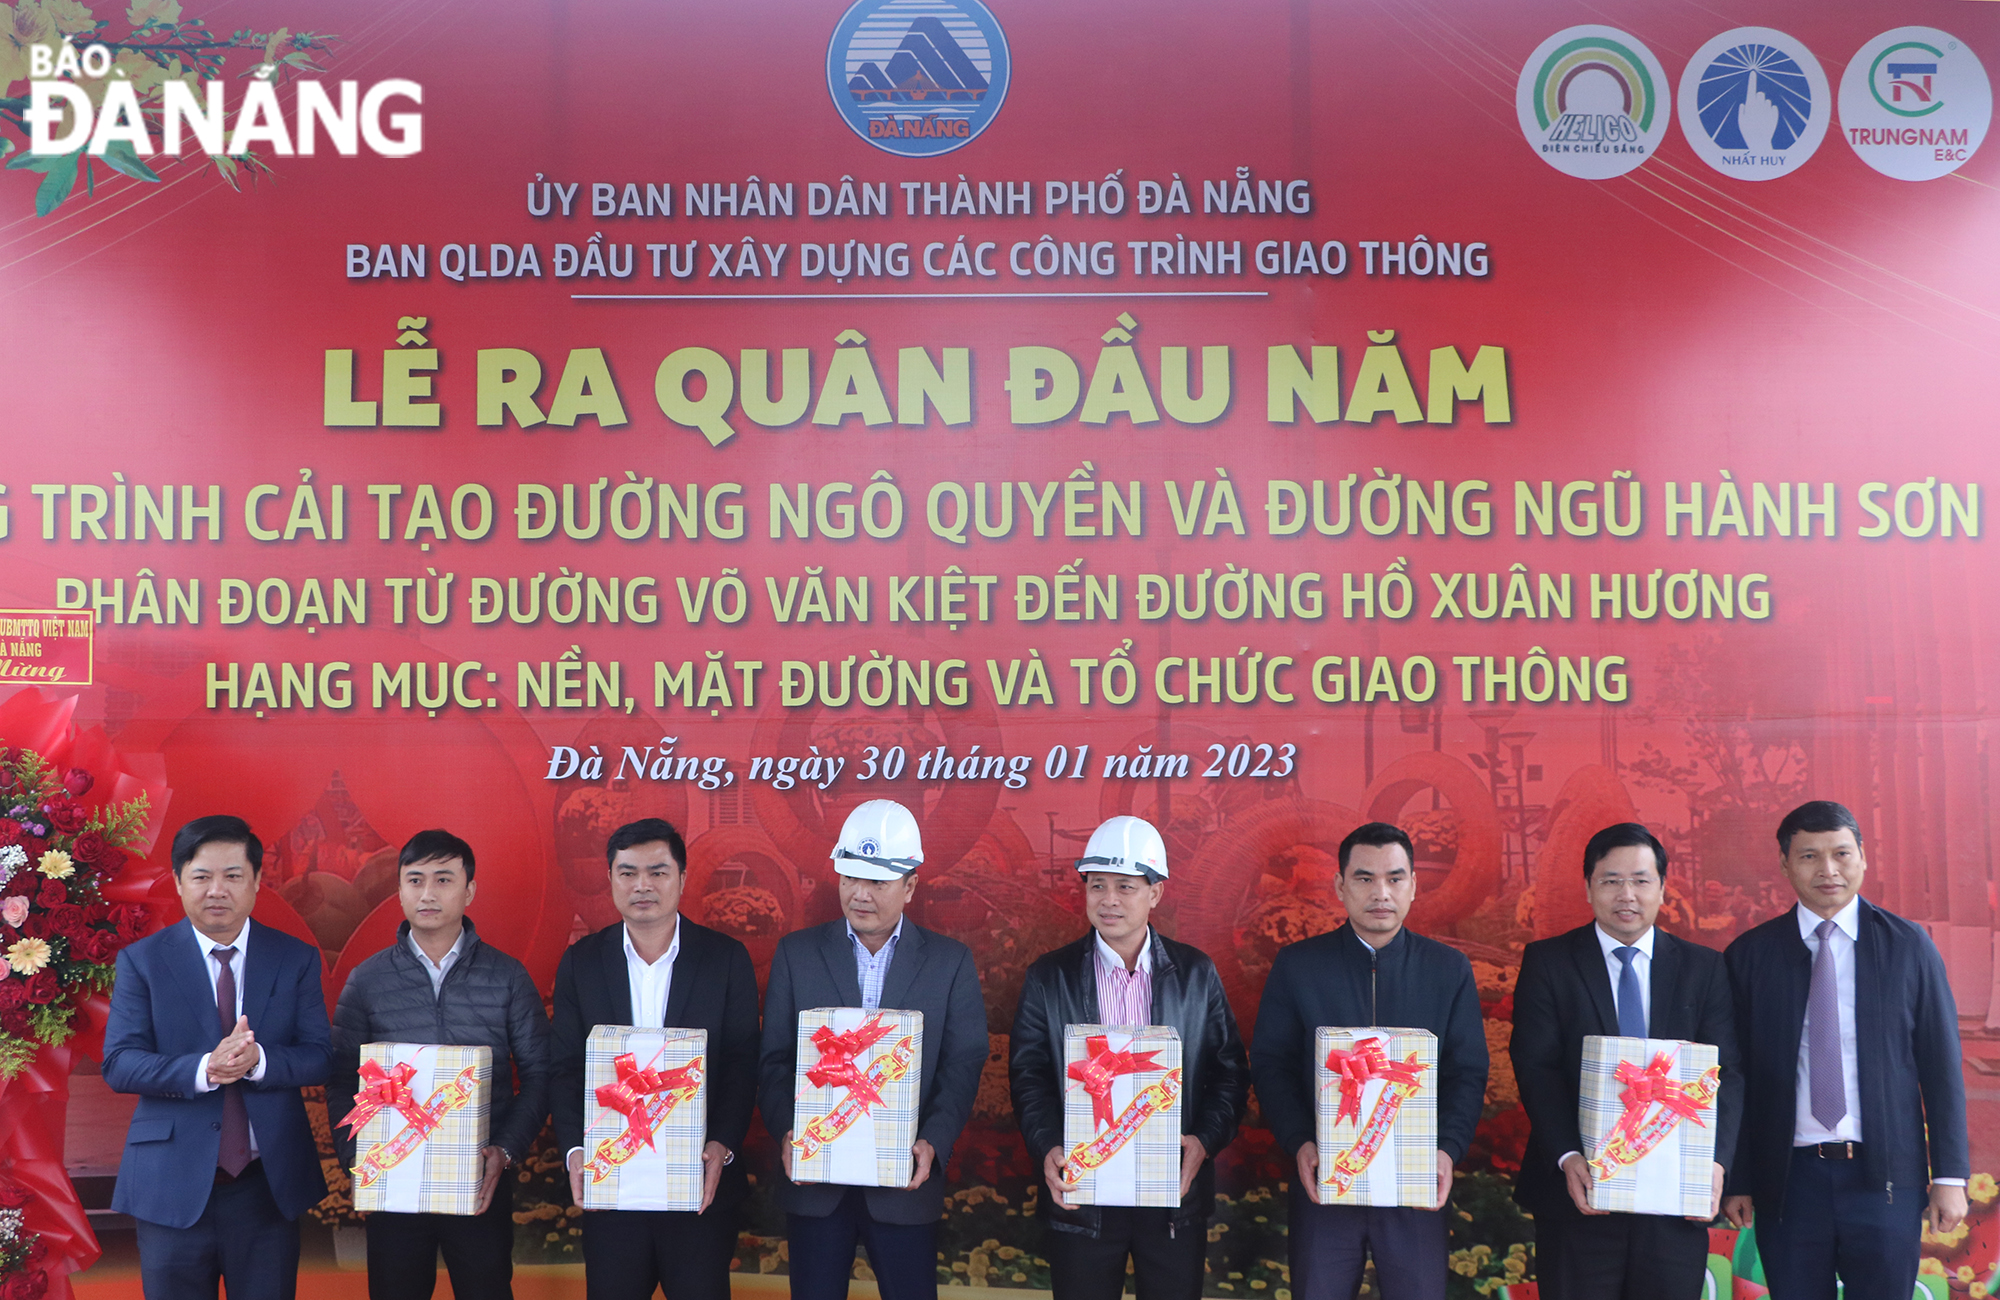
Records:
x=214, y=117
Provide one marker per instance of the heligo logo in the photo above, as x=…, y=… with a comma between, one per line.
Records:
x=1589, y=102
x=918, y=78
x=64, y=117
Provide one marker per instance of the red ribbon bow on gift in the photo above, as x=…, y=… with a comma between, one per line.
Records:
x=836, y=1067
x=627, y=1094
x=1096, y=1071
x=1644, y=1087
x=1359, y=1067
x=385, y=1089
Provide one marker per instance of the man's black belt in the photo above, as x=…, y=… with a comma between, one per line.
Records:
x=1833, y=1150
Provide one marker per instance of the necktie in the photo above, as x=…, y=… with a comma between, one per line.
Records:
x=1631, y=1010
x=234, y=1153
x=1829, y=1087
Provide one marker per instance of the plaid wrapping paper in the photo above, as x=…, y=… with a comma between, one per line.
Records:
x=409, y=1088
x=1375, y=1117
x=855, y=1118
x=1647, y=1110
x=1122, y=1113
x=645, y=1118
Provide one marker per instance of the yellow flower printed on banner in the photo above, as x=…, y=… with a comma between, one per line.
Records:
x=21, y=26
x=1952, y=1238
x=1982, y=1189
x=56, y=865
x=144, y=11
x=69, y=16
x=26, y=956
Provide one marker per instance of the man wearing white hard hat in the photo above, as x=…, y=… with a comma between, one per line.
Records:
x=875, y=957
x=1125, y=972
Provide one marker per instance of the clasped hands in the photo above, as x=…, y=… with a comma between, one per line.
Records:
x=235, y=1056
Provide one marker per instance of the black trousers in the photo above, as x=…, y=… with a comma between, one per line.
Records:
x=1167, y=1263
x=903, y=1256
x=1331, y=1245
x=478, y=1251
x=626, y=1253
x=1836, y=1225
x=241, y=1240
x=1619, y=1256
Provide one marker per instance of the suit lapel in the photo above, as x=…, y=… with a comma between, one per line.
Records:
x=614, y=981
x=1596, y=978
x=1868, y=975
x=1665, y=1022
x=1795, y=966
x=687, y=974
x=189, y=965
x=837, y=950
x=903, y=966
x=260, y=974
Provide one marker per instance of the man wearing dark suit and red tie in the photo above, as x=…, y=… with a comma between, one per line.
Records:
x=1618, y=976
x=216, y=1024
x=658, y=970
x=1856, y=1120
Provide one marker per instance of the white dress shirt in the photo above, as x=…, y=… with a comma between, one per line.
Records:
x=1642, y=967
x=242, y=945
x=438, y=970
x=651, y=982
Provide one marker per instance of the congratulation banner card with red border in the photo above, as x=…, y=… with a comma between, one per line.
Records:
x=1375, y=1111
x=645, y=1118
x=1122, y=1113
x=1646, y=1107
x=420, y=1120
x=859, y=1076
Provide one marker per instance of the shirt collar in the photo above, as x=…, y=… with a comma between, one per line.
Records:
x=457, y=947
x=1109, y=957
x=1611, y=945
x=1847, y=918
x=673, y=949
x=208, y=945
x=855, y=939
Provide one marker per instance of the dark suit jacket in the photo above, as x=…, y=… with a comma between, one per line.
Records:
x=1563, y=995
x=929, y=973
x=1330, y=980
x=1906, y=1029
x=714, y=988
x=163, y=1019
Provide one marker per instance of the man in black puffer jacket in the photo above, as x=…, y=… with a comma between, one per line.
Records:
x=439, y=984
x=1126, y=973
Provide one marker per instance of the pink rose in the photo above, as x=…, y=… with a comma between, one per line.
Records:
x=14, y=911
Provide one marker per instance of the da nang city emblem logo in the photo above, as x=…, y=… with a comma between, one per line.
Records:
x=1915, y=103
x=1592, y=102
x=1754, y=104
x=918, y=78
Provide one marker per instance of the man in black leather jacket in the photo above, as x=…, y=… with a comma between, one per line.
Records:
x=1125, y=972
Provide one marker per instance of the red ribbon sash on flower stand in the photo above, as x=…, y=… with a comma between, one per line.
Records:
x=645, y=1097
x=1095, y=1074
x=1636, y=1133
x=1354, y=1069
x=838, y=1067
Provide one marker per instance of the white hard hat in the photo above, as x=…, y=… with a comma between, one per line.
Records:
x=879, y=841
x=1126, y=846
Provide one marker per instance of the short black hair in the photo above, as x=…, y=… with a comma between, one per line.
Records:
x=436, y=846
x=217, y=828
x=1818, y=816
x=1380, y=835
x=646, y=830
x=1624, y=835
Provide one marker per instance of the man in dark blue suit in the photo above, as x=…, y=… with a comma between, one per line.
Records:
x=874, y=957
x=1856, y=1122
x=217, y=1024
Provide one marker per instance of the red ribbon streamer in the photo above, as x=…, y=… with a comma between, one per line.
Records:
x=385, y=1089
x=1644, y=1087
x=627, y=1094
x=836, y=1067
x=1361, y=1066
x=1096, y=1071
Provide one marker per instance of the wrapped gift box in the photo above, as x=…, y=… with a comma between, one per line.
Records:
x=855, y=1119
x=1375, y=1116
x=1122, y=1114
x=420, y=1121
x=645, y=1118
x=1647, y=1110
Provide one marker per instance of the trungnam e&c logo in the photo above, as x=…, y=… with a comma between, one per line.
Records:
x=918, y=78
x=64, y=117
